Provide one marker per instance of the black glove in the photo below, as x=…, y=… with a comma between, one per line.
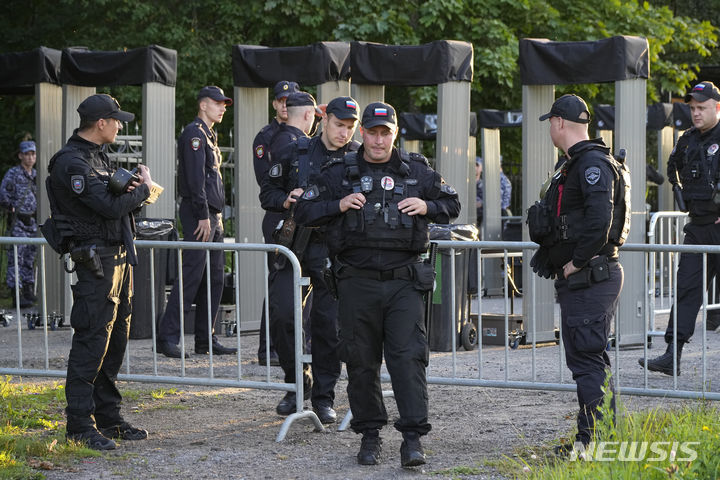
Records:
x=541, y=264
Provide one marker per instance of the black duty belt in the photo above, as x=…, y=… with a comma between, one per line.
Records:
x=112, y=250
x=400, y=273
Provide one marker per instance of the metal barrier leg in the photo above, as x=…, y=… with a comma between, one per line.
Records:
x=297, y=416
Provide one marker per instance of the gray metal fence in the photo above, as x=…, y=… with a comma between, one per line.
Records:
x=530, y=366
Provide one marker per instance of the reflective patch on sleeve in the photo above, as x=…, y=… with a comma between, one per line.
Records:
x=445, y=188
x=77, y=182
x=592, y=175
x=195, y=143
x=275, y=171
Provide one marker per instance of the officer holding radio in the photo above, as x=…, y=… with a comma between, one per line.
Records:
x=586, y=209
x=693, y=171
x=96, y=227
x=201, y=187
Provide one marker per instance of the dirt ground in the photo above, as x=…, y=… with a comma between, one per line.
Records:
x=220, y=432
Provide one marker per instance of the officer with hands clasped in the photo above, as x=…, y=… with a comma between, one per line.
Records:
x=695, y=174
x=201, y=187
x=377, y=203
x=97, y=230
x=291, y=169
x=581, y=220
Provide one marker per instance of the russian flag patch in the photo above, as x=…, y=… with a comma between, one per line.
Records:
x=350, y=104
x=381, y=112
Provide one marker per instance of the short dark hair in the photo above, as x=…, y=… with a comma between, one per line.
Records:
x=86, y=124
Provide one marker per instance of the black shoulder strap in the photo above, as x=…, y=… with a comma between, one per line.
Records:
x=303, y=161
x=352, y=170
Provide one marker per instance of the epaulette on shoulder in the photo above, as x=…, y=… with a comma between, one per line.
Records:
x=417, y=157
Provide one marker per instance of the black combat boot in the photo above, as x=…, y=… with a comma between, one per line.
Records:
x=411, y=450
x=664, y=363
x=370, y=448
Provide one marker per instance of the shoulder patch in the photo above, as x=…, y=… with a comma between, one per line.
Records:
x=592, y=175
x=259, y=151
x=311, y=193
x=77, y=182
x=445, y=188
x=275, y=171
x=195, y=143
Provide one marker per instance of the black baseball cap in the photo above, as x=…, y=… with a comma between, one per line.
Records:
x=703, y=91
x=379, y=113
x=283, y=88
x=102, y=105
x=570, y=107
x=303, y=99
x=215, y=93
x=343, y=108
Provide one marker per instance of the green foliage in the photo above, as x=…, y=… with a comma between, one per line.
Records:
x=698, y=422
x=203, y=34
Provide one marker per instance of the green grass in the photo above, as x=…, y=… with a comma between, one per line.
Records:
x=691, y=436
x=32, y=428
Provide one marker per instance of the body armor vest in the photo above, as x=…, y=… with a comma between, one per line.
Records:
x=699, y=176
x=380, y=224
x=547, y=227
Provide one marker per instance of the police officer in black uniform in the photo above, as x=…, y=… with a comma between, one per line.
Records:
x=261, y=164
x=98, y=231
x=693, y=168
x=301, y=108
x=588, y=204
x=291, y=168
x=378, y=202
x=201, y=187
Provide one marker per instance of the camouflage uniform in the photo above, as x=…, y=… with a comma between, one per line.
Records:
x=18, y=191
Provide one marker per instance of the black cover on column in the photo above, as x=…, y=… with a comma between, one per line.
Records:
x=659, y=115
x=411, y=65
x=88, y=68
x=20, y=71
x=604, y=117
x=258, y=66
x=682, y=120
x=423, y=126
x=543, y=62
x=490, y=118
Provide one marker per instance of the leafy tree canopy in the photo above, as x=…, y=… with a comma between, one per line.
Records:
x=203, y=33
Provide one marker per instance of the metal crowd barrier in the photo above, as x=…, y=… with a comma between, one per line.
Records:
x=666, y=228
x=530, y=367
x=162, y=372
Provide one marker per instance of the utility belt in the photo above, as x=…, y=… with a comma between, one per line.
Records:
x=400, y=273
x=596, y=271
x=704, y=219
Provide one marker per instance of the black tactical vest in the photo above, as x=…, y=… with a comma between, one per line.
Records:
x=380, y=224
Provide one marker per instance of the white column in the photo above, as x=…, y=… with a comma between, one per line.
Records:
x=630, y=118
x=251, y=114
x=452, y=157
x=538, y=156
x=158, y=131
